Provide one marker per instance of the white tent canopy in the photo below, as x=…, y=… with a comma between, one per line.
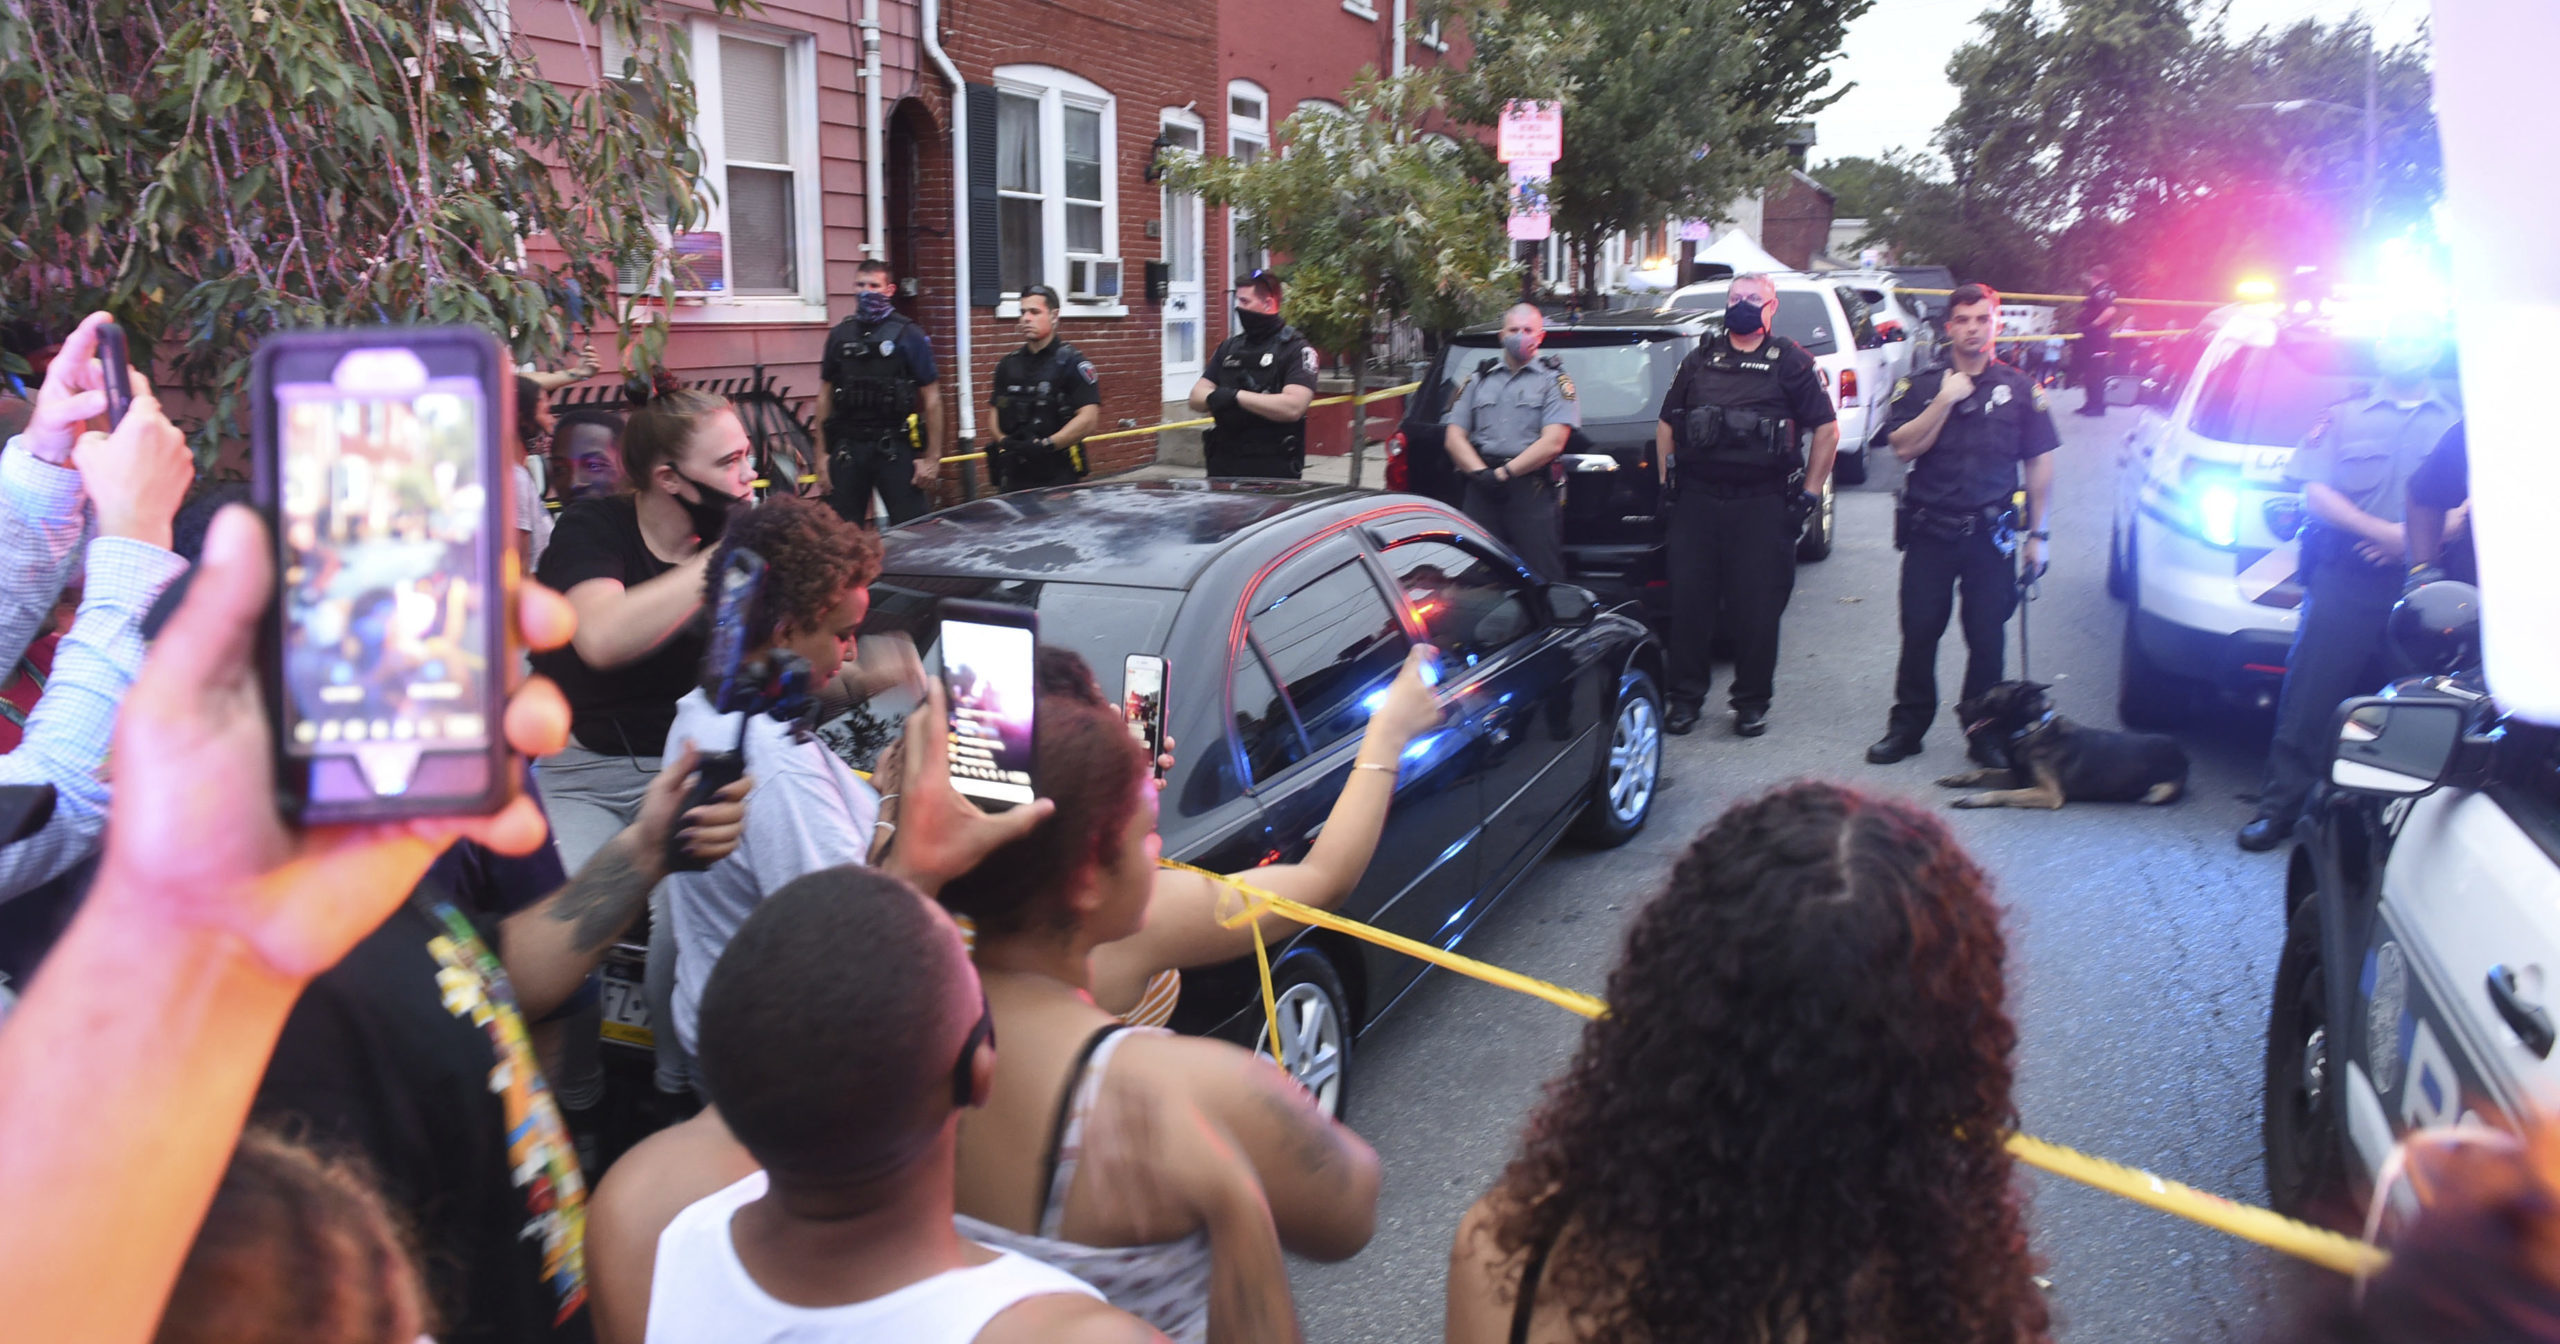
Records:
x=1736, y=250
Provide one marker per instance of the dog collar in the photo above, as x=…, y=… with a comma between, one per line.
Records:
x=2034, y=728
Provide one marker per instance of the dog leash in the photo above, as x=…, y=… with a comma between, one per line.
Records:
x=2027, y=585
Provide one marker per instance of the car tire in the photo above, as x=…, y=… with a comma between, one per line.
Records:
x=2306, y=1158
x=2149, y=698
x=1630, y=773
x=1815, y=544
x=1315, y=1027
x=1850, y=467
x=2119, y=566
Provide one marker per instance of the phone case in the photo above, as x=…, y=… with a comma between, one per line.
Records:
x=993, y=614
x=397, y=776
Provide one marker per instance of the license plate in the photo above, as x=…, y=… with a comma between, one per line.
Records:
x=626, y=1008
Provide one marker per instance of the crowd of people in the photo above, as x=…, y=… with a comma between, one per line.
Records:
x=328, y=1084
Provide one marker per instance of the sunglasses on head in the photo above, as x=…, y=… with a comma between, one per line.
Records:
x=964, y=1071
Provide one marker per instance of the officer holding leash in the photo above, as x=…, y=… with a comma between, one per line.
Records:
x=1258, y=387
x=876, y=376
x=1965, y=431
x=1046, y=400
x=1508, y=426
x=1740, y=487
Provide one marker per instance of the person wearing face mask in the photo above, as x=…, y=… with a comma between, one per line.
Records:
x=1745, y=443
x=1509, y=422
x=2353, y=469
x=876, y=382
x=1259, y=384
x=1046, y=401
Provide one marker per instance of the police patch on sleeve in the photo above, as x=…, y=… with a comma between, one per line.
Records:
x=1308, y=355
x=1564, y=384
x=2037, y=392
x=1084, y=370
x=1900, y=386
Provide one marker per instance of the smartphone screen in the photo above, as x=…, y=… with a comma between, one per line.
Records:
x=114, y=363
x=722, y=658
x=383, y=509
x=1142, y=705
x=988, y=674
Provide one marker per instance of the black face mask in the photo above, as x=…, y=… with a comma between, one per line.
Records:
x=1258, y=326
x=1744, y=318
x=710, y=513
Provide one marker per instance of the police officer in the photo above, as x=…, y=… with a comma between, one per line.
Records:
x=1512, y=420
x=878, y=371
x=1741, y=488
x=1965, y=430
x=2354, y=470
x=1258, y=386
x=1046, y=400
x=2098, y=314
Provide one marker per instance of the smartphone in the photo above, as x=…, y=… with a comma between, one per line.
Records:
x=1142, y=706
x=117, y=364
x=988, y=675
x=734, y=691
x=377, y=456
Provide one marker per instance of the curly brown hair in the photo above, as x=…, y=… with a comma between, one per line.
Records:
x=811, y=555
x=1790, y=1124
x=296, y=1247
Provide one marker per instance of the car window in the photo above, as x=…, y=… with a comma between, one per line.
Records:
x=1806, y=320
x=2271, y=395
x=1469, y=606
x=1264, y=725
x=1622, y=380
x=1701, y=303
x=1862, y=322
x=1331, y=640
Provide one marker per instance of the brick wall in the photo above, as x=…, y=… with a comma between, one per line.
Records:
x=1795, y=221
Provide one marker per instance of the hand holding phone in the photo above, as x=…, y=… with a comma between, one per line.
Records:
x=726, y=670
x=116, y=364
x=1142, y=706
x=989, y=671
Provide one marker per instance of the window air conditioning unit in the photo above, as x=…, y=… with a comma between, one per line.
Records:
x=1094, y=279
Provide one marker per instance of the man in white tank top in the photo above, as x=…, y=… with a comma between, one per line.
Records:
x=842, y=1033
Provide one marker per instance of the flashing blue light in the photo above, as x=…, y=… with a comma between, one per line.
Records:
x=1461, y=914
x=1374, y=701
x=1450, y=853
x=1421, y=746
x=2217, y=508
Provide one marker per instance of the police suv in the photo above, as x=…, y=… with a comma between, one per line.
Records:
x=2203, y=550
x=2421, y=961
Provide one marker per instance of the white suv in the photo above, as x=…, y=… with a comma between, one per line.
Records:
x=1834, y=325
x=2421, y=962
x=2203, y=547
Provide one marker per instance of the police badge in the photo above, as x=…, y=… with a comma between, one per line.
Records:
x=2000, y=394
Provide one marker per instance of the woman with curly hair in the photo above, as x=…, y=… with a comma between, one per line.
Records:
x=1788, y=1129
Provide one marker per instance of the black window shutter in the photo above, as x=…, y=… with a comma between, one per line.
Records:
x=986, y=261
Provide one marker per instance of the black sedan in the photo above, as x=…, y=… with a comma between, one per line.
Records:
x=1281, y=609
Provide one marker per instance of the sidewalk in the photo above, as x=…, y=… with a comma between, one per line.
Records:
x=1333, y=470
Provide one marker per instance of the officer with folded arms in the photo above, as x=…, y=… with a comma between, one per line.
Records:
x=1509, y=423
x=1965, y=430
x=1046, y=400
x=1742, y=483
x=1258, y=387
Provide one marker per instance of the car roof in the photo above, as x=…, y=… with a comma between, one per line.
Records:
x=1139, y=534
x=1684, y=322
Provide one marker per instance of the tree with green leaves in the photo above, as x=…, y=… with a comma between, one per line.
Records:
x=1375, y=220
x=212, y=172
x=1676, y=106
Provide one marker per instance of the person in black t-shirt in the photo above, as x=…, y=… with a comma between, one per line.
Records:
x=412, y=1053
x=2439, y=539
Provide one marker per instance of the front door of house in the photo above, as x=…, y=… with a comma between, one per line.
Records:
x=1185, y=310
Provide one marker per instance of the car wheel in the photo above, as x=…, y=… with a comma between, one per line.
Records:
x=1850, y=467
x=1631, y=773
x=2149, y=697
x=1815, y=544
x=2306, y=1167
x=2119, y=568
x=1315, y=1027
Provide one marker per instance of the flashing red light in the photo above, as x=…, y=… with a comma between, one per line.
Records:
x=1399, y=471
x=1848, y=387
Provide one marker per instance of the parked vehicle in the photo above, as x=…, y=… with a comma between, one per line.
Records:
x=1835, y=326
x=1281, y=609
x=1912, y=342
x=2202, y=550
x=2422, y=939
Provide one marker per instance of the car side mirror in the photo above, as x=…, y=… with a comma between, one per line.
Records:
x=2124, y=391
x=1568, y=605
x=2396, y=747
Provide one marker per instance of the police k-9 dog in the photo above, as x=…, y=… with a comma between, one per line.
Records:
x=2053, y=761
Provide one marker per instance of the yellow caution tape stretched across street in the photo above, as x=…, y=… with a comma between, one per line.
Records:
x=2083, y=298
x=2264, y=1227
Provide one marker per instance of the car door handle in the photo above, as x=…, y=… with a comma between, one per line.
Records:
x=2531, y=1021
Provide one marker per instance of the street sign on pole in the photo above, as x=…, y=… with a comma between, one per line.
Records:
x=1529, y=217
x=1697, y=231
x=1532, y=131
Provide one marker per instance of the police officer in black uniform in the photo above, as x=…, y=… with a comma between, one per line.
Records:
x=1741, y=485
x=878, y=371
x=1966, y=430
x=1258, y=386
x=1506, y=429
x=1046, y=400
x=2098, y=314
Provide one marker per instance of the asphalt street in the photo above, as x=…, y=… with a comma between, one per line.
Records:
x=2142, y=949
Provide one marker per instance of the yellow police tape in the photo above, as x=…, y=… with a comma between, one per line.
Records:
x=2265, y=1227
x=2073, y=335
x=2082, y=298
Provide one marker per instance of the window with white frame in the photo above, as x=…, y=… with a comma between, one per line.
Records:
x=1431, y=35
x=1058, y=193
x=758, y=248
x=1248, y=139
x=1361, y=8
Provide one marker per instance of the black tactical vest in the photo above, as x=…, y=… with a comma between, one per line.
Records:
x=1250, y=366
x=1738, y=417
x=1031, y=392
x=875, y=388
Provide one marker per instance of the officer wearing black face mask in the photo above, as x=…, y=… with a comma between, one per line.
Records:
x=1259, y=384
x=1742, y=483
x=879, y=406
x=1046, y=400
